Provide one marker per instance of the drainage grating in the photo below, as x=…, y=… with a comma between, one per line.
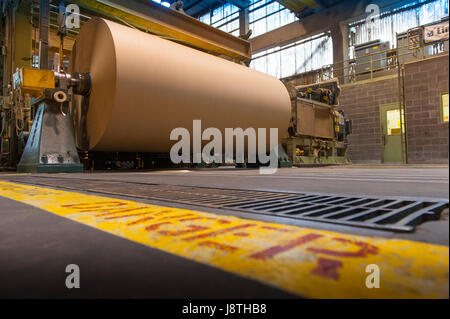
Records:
x=370, y=212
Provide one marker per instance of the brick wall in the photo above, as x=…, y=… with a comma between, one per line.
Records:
x=428, y=137
x=361, y=103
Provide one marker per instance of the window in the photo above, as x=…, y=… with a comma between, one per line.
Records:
x=444, y=107
x=393, y=122
x=298, y=57
x=399, y=20
x=225, y=18
x=264, y=16
x=267, y=15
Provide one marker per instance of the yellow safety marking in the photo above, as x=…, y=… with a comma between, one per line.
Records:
x=14, y=174
x=307, y=262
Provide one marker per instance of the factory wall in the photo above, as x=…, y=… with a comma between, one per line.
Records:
x=361, y=104
x=425, y=81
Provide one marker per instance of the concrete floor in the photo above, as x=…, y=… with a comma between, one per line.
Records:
x=34, y=244
x=416, y=181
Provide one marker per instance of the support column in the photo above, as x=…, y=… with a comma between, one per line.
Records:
x=339, y=36
x=243, y=22
x=23, y=37
x=44, y=18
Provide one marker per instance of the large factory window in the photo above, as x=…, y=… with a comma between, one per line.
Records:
x=267, y=15
x=396, y=21
x=264, y=16
x=299, y=57
x=225, y=18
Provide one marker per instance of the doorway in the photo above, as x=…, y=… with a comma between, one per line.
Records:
x=392, y=128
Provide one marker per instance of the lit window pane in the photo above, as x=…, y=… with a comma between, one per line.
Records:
x=258, y=14
x=259, y=27
x=393, y=122
x=287, y=62
x=269, y=15
x=273, y=64
x=444, y=103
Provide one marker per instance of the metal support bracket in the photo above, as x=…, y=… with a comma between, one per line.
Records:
x=51, y=145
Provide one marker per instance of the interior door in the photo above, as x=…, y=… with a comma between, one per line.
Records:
x=391, y=133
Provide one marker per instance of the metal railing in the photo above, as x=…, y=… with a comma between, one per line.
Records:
x=379, y=63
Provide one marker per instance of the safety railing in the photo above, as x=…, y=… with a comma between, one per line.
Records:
x=379, y=63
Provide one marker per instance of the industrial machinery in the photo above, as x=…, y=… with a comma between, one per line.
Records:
x=50, y=145
x=127, y=90
x=318, y=129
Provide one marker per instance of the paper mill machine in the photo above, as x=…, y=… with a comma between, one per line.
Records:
x=123, y=94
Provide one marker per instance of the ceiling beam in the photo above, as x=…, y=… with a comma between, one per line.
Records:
x=315, y=23
x=170, y=24
x=239, y=3
x=191, y=4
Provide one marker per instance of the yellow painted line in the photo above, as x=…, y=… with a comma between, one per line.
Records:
x=14, y=174
x=306, y=262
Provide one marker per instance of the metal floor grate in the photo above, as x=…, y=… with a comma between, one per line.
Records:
x=370, y=212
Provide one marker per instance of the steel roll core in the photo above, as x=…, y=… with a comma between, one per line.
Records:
x=143, y=86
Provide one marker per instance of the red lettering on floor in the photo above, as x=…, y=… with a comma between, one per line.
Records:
x=156, y=226
x=177, y=216
x=275, y=250
x=192, y=229
x=276, y=229
x=189, y=219
x=121, y=211
x=139, y=221
x=87, y=207
x=163, y=212
x=125, y=216
x=218, y=246
x=364, y=251
x=219, y=232
x=241, y=234
x=220, y=221
x=327, y=268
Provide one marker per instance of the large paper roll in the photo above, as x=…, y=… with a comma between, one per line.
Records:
x=144, y=86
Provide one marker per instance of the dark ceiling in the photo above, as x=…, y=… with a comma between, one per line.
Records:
x=196, y=8
x=303, y=8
